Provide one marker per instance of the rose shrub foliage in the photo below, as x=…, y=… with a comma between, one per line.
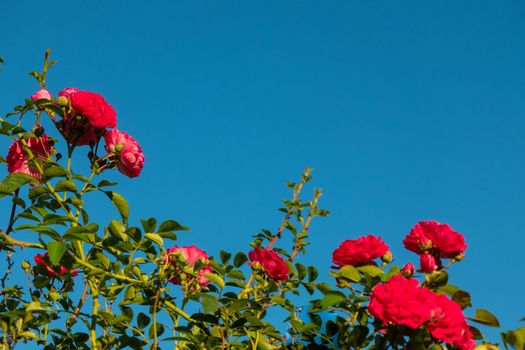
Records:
x=115, y=285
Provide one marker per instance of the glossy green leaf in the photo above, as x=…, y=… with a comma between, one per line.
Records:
x=485, y=317
x=56, y=250
x=120, y=203
x=350, y=272
x=239, y=259
x=215, y=279
x=155, y=238
x=332, y=298
x=65, y=185
x=14, y=181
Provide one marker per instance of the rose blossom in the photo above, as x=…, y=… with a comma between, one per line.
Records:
x=130, y=157
x=18, y=158
x=401, y=301
x=274, y=266
x=361, y=251
x=408, y=270
x=431, y=235
x=88, y=118
x=191, y=255
x=448, y=324
x=42, y=260
x=427, y=263
x=93, y=106
x=41, y=94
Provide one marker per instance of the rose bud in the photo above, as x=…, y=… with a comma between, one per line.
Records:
x=408, y=270
x=387, y=258
x=427, y=263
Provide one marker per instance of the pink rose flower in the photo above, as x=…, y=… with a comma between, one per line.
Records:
x=41, y=94
x=272, y=264
x=191, y=255
x=43, y=260
x=18, y=158
x=427, y=263
x=128, y=154
x=437, y=238
x=361, y=251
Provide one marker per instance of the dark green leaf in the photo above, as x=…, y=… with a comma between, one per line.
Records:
x=485, y=317
x=210, y=304
x=171, y=225
x=332, y=298
x=462, y=298
x=142, y=320
x=239, y=259
x=56, y=250
x=65, y=185
x=120, y=203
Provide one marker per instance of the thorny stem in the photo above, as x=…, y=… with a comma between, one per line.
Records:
x=297, y=191
x=306, y=226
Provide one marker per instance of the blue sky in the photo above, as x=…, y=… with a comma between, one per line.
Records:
x=406, y=110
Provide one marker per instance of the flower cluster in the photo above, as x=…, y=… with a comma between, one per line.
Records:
x=403, y=301
x=434, y=241
x=87, y=118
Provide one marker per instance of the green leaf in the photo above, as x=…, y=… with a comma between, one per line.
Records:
x=371, y=270
x=210, y=304
x=225, y=256
x=120, y=203
x=332, y=298
x=65, y=185
x=118, y=230
x=14, y=181
x=142, y=320
x=155, y=238
x=171, y=225
x=485, y=317
x=239, y=259
x=56, y=250
x=312, y=273
x=301, y=271
x=516, y=338
x=52, y=171
x=462, y=298
x=215, y=279
x=350, y=272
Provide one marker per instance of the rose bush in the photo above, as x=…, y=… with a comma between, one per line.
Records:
x=116, y=284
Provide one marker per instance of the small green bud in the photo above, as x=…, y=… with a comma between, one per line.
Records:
x=26, y=266
x=119, y=147
x=387, y=258
x=63, y=101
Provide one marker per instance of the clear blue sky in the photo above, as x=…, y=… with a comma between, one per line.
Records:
x=407, y=110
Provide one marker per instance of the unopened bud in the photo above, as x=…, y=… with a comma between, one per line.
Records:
x=39, y=131
x=387, y=258
x=459, y=257
x=408, y=270
x=26, y=266
x=427, y=263
x=63, y=101
x=438, y=278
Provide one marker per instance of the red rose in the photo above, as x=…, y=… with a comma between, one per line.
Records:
x=43, y=260
x=427, y=263
x=438, y=238
x=18, y=158
x=190, y=255
x=94, y=107
x=272, y=264
x=401, y=301
x=361, y=251
x=448, y=324
x=130, y=158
